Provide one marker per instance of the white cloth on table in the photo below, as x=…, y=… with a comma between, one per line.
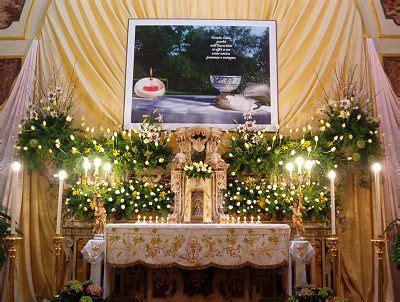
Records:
x=194, y=245
x=301, y=253
x=93, y=252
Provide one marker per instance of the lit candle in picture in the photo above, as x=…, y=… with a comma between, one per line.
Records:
x=332, y=176
x=258, y=219
x=15, y=166
x=376, y=167
x=61, y=176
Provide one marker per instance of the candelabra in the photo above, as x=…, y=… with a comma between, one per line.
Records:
x=380, y=246
x=332, y=243
x=57, y=240
x=298, y=181
x=12, y=243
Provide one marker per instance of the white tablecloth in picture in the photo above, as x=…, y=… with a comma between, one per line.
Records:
x=195, y=245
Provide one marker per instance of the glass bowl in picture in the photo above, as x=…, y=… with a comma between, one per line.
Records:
x=224, y=83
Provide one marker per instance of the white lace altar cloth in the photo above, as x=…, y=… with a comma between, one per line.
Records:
x=93, y=251
x=197, y=245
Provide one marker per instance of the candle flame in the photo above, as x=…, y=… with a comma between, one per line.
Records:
x=151, y=72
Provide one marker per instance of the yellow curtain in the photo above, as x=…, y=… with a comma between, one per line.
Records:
x=90, y=38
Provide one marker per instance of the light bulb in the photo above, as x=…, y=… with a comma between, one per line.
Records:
x=376, y=167
x=62, y=175
x=16, y=166
x=107, y=167
x=332, y=174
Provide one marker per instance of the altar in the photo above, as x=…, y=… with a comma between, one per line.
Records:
x=193, y=246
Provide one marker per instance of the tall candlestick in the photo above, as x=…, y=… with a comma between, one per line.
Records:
x=61, y=176
x=15, y=166
x=332, y=176
x=376, y=167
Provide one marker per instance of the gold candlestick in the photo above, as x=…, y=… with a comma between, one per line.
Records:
x=332, y=243
x=58, y=239
x=380, y=245
x=12, y=242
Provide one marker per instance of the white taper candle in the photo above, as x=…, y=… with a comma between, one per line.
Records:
x=61, y=176
x=332, y=176
x=376, y=167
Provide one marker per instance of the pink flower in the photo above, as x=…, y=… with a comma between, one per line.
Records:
x=94, y=290
x=255, y=139
x=154, y=137
x=345, y=103
x=250, y=124
x=241, y=128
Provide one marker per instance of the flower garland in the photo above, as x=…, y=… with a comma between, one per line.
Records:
x=198, y=170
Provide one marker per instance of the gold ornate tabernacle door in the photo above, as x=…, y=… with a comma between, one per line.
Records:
x=198, y=200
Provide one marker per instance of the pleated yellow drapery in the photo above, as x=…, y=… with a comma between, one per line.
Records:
x=90, y=37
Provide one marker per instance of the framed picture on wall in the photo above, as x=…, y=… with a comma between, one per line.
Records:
x=201, y=72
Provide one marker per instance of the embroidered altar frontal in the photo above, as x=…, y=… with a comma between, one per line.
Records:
x=197, y=245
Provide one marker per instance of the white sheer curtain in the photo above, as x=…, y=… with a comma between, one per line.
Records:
x=388, y=110
x=10, y=116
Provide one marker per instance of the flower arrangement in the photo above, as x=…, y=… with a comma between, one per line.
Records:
x=77, y=291
x=49, y=125
x=252, y=197
x=123, y=200
x=309, y=292
x=198, y=170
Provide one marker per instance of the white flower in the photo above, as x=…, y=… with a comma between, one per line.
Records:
x=68, y=118
x=238, y=204
x=293, y=152
x=44, y=123
x=161, y=160
x=146, y=163
x=122, y=206
x=230, y=207
x=32, y=127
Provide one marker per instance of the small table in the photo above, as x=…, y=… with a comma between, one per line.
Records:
x=194, y=246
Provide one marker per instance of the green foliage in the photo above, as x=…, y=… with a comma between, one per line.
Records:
x=310, y=292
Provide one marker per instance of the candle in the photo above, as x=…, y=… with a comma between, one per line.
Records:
x=86, y=166
x=144, y=219
x=290, y=168
x=258, y=219
x=97, y=164
x=15, y=166
x=376, y=167
x=138, y=218
x=238, y=219
x=156, y=219
x=227, y=218
x=245, y=219
x=162, y=219
x=252, y=219
x=106, y=169
x=61, y=176
x=299, y=162
x=332, y=176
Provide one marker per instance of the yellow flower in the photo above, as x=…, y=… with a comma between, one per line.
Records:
x=74, y=150
x=115, y=152
x=163, y=195
x=98, y=148
x=87, y=150
x=75, y=192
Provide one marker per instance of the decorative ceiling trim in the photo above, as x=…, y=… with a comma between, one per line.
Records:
x=378, y=25
x=28, y=19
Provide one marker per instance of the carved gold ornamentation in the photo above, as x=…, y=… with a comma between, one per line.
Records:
x=190, y=141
